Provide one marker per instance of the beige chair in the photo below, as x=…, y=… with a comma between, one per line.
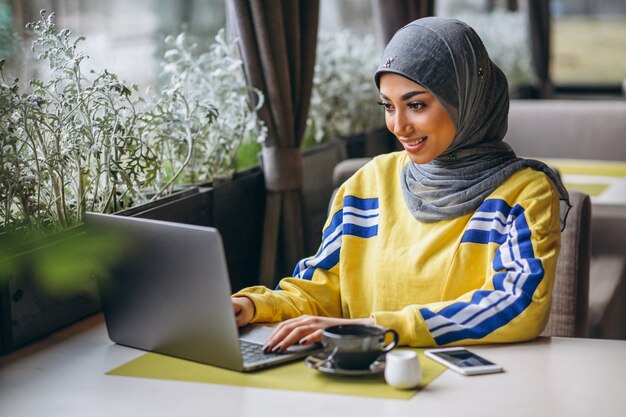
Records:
x=568, y=315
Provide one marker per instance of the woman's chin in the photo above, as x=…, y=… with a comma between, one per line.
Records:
x=420, y=158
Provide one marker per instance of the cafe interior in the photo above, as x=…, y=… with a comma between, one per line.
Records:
x=235, y=123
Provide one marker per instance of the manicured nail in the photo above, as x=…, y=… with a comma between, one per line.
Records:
x=276, y=349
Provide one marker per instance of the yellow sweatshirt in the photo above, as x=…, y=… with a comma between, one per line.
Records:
x=486, y=277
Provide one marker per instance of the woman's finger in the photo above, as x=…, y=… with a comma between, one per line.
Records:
x=314, y=337
x=293, y=337
x=287, y=326
x=290, y=331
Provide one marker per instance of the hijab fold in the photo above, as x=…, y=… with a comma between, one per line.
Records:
x=448, y=58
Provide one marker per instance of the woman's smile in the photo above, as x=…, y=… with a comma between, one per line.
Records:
x=414, y=144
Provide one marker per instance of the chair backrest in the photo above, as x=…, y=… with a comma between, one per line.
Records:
x=570, y=296
x=552, y=128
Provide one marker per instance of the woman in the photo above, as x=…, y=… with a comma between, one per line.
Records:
x=453, y=240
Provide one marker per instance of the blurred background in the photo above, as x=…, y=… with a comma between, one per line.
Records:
x=587, y=37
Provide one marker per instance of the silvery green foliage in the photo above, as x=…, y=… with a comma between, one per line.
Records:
x=78, y=143
x=202, y=81
x=343, y=99
x=70, y=144
x=505, y=35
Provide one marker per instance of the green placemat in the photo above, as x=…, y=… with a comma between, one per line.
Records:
x=294, y=376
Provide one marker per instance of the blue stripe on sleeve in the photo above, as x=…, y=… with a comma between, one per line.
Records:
x=520, y=273
x=483, y=236
x=360, y=203
x=494, y=205
x=499, y=208
x=341, y=224
x=359, y=231
x=334, y=223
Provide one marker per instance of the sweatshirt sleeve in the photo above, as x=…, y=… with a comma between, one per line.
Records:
x=513, y=304
x=313, y=287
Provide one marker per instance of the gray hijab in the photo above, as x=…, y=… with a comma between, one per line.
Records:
x=448, y=58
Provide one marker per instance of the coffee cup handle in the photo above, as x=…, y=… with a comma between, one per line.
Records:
x=394, y=342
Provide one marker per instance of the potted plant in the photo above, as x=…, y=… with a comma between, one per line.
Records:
x=85, y=142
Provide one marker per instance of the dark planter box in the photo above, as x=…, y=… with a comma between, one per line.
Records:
x=235, y=207
x=355, y=145
x=28, y=308
x=370, y=144
x=190, y=206
x=237, y=211
x=380, y=141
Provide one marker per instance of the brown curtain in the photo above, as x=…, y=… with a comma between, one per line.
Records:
x=278, y=40
x=391, y=15
x=539, y=27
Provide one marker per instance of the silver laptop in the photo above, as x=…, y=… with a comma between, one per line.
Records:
x=166, y=289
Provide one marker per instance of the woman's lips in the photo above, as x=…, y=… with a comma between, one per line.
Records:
x=413, y=145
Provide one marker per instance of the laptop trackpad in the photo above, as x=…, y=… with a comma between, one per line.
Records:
x=257, y=333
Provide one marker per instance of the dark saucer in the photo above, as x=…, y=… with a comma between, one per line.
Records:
x=318, y=362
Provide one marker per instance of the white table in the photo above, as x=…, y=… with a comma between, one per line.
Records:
x=64, y=375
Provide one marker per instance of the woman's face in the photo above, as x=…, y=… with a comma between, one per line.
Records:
x=416, y=118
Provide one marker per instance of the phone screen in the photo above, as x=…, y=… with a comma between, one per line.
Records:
x=463, y=358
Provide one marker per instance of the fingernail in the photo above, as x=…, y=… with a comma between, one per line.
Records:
x=276, y=349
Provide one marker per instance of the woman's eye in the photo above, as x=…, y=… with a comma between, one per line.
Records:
x=386, y=106
x=416, y=105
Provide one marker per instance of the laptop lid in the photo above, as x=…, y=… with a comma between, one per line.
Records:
x=169, y=290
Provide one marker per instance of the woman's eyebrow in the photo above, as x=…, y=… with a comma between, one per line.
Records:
x=406, y=96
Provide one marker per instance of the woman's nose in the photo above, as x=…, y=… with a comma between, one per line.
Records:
x=401, y=125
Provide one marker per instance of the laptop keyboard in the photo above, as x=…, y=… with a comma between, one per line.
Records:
x=253, y=352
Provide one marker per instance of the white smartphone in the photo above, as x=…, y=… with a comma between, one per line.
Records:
x=463, y=361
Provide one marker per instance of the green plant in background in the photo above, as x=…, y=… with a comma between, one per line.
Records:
x=76, y=143
x=202, y=79
x=343, y=99
x=176, y=126
x=69, y=144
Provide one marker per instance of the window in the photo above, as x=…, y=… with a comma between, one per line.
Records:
x=588, y=42
x=124, y=37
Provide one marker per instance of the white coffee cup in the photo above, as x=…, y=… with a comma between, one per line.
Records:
x=402, y=369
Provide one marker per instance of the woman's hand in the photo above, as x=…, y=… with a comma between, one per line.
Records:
x=244, y=310
x=304, y=330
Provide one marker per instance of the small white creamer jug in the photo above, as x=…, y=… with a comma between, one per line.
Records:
x=402, y=369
